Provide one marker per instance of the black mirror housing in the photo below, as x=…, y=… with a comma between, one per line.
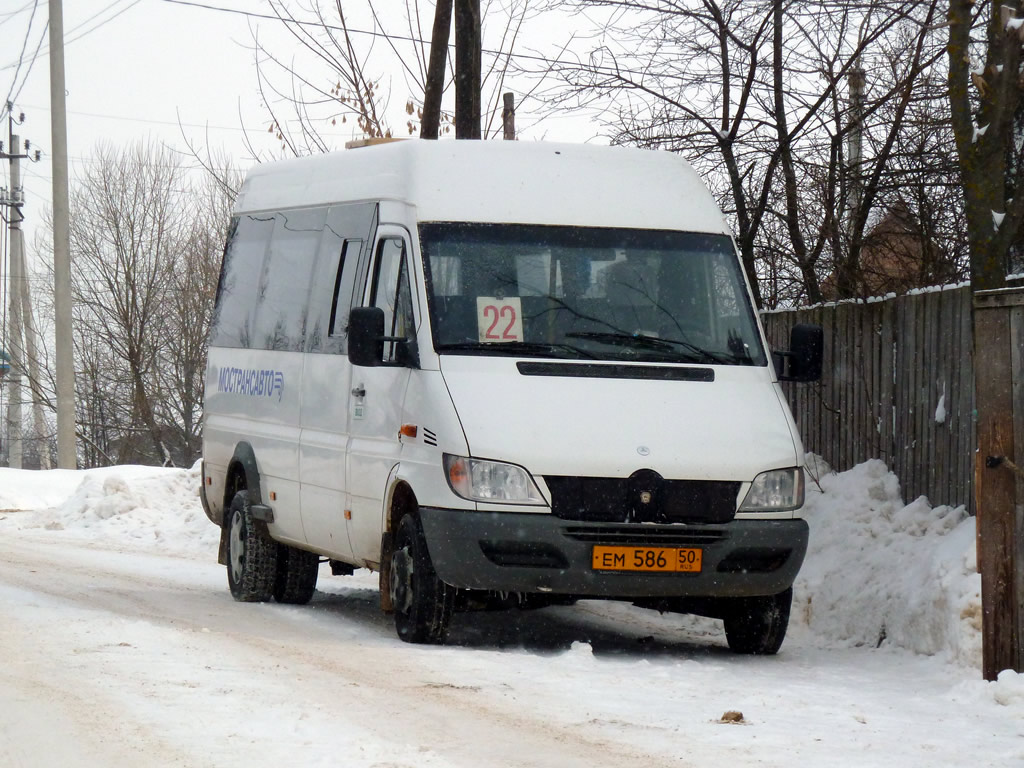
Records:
x=366, y=336
x=806, y=350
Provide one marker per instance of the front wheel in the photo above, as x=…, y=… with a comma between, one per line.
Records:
x=423, y=603
x=757, y=625
x=252, y=555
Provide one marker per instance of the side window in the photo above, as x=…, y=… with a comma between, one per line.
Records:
x=392, y=293
x=338, y=263
x=344, y=282
x=283, y=290
x=341, y=259
x=239, y=277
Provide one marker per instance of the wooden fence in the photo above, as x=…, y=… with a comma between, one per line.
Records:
x=898, y=385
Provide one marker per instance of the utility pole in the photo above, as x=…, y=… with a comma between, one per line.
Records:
x=467, y=69
x=855, y=142
x=508, y=116
x=15, y=200
x=66, y=451
x=849, y=267
x=21, y=344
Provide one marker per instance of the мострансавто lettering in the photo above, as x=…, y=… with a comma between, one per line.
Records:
x=252, y=382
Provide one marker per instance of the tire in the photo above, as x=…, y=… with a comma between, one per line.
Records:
x=252, y=555
x=297, y=571
x=757, y=625
x=423, y=604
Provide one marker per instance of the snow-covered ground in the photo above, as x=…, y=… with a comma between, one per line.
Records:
x=122, y=647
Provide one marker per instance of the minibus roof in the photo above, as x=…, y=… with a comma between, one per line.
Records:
x=497, y=181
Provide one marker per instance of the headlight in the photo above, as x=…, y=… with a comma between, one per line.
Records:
x=490, y=481
x=780, y=490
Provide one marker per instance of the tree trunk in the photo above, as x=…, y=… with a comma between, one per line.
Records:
x=430, y=125
x=467, y=69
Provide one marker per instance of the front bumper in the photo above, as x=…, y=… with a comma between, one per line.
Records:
x=540, y=553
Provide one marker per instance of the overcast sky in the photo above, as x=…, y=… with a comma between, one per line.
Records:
x=167, y=70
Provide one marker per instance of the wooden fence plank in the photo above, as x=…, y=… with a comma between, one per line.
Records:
x=932, y=476
x=968, y=435
x=887, y=364
x=946, y=343
x=926, y=406
x=904, y=388
x=1017, y=393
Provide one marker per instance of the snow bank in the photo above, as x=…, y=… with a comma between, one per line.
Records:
x=882, y=572
x=152, y=506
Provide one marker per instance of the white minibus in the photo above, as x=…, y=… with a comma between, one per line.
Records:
x=501, y=374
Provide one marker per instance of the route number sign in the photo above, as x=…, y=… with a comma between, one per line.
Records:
x=499, y=321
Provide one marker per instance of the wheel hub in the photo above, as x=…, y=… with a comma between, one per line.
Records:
x=236, y=546
x=401, y=580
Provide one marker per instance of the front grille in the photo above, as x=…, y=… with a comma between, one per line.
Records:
x=646, y=537
x=643, y=498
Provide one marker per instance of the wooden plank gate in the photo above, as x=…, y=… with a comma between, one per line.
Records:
x=999, y=479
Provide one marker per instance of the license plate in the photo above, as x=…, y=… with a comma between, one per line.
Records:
x=654, y=559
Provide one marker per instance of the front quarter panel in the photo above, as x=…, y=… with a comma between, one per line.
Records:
x=429, y=408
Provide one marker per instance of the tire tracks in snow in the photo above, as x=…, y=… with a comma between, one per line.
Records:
x=395, y=701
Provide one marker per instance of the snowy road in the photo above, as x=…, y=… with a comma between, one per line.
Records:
x=121, y=657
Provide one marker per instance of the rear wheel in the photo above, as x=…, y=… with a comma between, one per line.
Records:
x=252, y=554
x=757, y=625
x=297, y=571
x=423, y=603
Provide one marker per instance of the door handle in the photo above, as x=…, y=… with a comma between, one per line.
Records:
x=359, y=391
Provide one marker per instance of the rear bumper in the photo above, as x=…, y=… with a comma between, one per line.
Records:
x=540, y=553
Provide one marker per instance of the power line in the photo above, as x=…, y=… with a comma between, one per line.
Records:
x=21, y=59
x=124, y=118
x=389, y=36
x=142, y=119
x=12, y=95
x=9, y=15
x=68, y=39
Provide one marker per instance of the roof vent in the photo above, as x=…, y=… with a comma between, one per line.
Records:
x=359, y=143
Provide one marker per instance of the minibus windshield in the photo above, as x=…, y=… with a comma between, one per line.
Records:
x=587, y=293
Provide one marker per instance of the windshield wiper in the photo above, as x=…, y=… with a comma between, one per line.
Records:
x=525, y=348
x=640, y=341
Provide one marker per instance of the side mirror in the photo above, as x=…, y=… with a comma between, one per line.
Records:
x=803, y=360
x=366, y=336
x=366, y=340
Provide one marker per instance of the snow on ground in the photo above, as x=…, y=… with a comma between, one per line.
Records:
x=877, y=571
x=881, y=666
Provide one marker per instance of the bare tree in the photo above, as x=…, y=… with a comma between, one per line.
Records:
x=340, y=76
x=188, y=309
x=146, y=245
x=985, y=96
x=755, y=94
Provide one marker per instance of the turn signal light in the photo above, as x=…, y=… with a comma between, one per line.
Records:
x=458, y=474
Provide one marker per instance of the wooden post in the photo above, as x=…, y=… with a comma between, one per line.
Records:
x=998, y=488
x=467, y=69
x=508, y=116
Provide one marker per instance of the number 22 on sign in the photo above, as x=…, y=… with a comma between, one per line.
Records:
x=499, y=320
